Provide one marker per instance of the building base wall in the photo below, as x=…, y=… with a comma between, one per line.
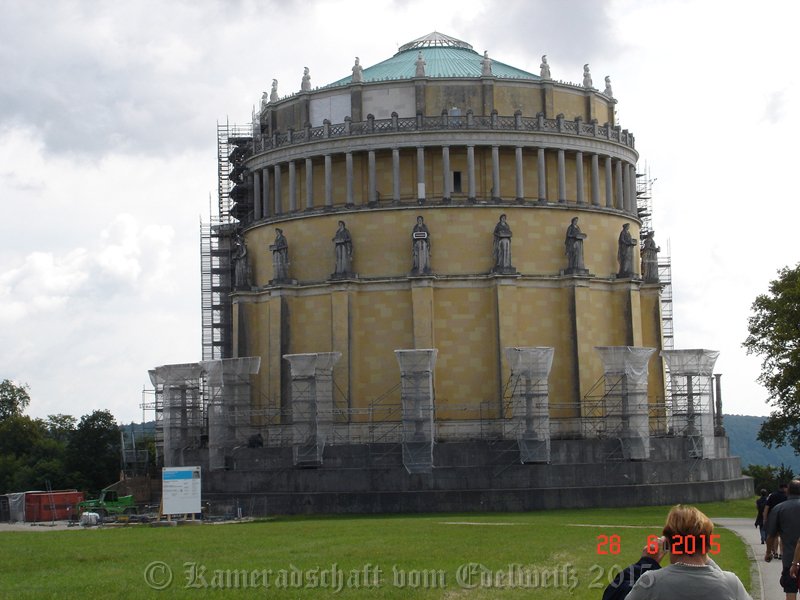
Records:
x=471, y=476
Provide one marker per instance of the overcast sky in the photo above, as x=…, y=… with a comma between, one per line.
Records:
x=108, y=115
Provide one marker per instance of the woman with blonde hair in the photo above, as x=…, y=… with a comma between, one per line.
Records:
x=688, y=537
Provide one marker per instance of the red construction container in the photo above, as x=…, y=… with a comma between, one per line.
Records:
x=57, y=505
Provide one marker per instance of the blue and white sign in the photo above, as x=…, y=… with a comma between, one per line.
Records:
x=180, y=490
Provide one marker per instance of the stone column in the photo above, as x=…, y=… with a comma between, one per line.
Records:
x=278, y=200
x=471, y=173
x=256, y=195
x=609, y=184
x=626, y=187
x=446, y=172
x=416, y=397
x=520, y=189
x=309, y=184
x=634, y=196
x=395, y=175
x=292, y=187
x=595, y=180
x=529, y=421
x=542, y=175
x=348, y=165
x=420, y=174
x=371, y=180
x=562, y=178
x=620, y=204
x=719, y=427
x=496, y=173
x=690, y=374
x=579, y=199
x=328, y=182
x=266, y=189
x=625, y=398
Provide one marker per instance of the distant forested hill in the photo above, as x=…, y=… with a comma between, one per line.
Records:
x=742, y=431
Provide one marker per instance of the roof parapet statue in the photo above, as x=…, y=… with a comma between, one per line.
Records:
x=544, y=68
x=587, y=77
x=486, y=65
x=608, y=92
x=358, y=72
x=273, y=95
x=420, y=65
x=305, y=86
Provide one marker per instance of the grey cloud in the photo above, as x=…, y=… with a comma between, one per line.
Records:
x=96, y=77
x=570, y=32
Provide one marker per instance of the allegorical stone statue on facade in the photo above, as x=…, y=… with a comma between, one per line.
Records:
x=241, y=267
x=358, y=72
x=486, y=65
x=305, y=86
x=587, y=77
x=264, y=100
x=273, y=95
x=608, y=91
x=625, y=247
x=544, y=68
x=420, y=248
x=501, y=249
x=420, y=65
x=280, y=257
x=650, y=258
x=573, y=248
x=343, y=253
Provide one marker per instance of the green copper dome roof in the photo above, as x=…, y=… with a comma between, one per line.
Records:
x=444, y=56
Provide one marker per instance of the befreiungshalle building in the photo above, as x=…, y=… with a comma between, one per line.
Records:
x=431, y=286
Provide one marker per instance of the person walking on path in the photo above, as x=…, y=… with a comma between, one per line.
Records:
x=784, y=523
x=773, y=500
x=761, y=503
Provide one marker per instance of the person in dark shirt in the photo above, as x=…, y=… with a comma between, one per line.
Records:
x=784, y=524
x=773, y=500
x=761, y=503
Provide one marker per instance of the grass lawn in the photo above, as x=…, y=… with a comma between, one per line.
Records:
x=549, y=555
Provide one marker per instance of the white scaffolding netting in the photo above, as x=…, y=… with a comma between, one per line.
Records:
x=691, y=412
x=529, y=419
x=229, y=407
x=624, y=401
x=323, y=374
x=312, y=404
x=182, y=410
x=416, y=395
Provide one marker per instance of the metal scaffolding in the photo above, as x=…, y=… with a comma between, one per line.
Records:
x=312, y=405
x=228, y=405
x=529, y=420
x=691, y=412
x=178, y=392
x=622, y=411
x=416, y=396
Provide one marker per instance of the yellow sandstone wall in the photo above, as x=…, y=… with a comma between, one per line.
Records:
x=470, y=316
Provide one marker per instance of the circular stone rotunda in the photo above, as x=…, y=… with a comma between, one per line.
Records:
x=431, y=287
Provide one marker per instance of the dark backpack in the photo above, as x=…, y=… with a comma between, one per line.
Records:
x=622, y=584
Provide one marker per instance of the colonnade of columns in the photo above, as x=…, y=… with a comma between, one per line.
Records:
x=619, y=192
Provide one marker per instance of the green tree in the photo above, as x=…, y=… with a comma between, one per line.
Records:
x=13, y=398
x=94, y=450
x=765, y=477
x=775, y=336
x=60, y=427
